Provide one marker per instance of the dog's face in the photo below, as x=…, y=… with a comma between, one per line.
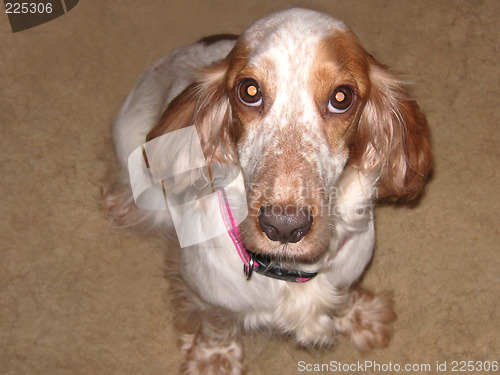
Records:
x=294, y=102
x=297, y=95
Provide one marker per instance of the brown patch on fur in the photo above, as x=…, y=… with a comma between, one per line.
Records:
x=340, y=61
x=385, y=130
x=179, y=113
x=204, y=104
x=287, y=181
x=237, y=72
x=212, y=39
x=393, y=138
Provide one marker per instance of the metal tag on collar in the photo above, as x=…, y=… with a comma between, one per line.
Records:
x=248, y=269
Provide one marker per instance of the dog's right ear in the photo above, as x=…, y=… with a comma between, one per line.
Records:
x=206, y=105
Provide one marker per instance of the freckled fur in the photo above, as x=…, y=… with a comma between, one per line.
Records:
x=291, y=151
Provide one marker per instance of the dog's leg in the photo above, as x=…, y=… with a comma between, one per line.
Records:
x=208, y=336
x=212, y=348
x=367, y=319
x=118, y=202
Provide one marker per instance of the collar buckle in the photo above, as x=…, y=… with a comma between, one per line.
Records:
x=248, y=269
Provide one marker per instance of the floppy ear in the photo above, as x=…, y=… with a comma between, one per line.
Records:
x=393, y=138
x=206, y=105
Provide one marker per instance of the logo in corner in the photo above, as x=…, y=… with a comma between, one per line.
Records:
x=26, y=14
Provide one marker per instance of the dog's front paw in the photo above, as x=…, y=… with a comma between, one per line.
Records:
x=368, y=321
x=208, y=359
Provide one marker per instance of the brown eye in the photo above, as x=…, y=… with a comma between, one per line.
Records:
x=341, y=99
x=249, y=93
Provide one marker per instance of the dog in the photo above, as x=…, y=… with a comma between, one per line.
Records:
x=316, y=131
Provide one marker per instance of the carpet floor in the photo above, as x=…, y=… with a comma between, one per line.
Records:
x=78, y=297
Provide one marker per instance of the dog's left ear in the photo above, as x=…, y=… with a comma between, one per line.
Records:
x=206, y=105
x=393, y=138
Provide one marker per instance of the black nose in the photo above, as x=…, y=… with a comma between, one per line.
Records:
x=285, y=223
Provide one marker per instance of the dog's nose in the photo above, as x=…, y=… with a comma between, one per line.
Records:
x=285, y=223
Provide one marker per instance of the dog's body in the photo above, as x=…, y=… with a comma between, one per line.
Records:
x=250, y=100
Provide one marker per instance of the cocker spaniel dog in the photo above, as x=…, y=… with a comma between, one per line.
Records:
x=283, y=137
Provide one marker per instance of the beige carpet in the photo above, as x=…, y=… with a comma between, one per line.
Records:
x=77, y=297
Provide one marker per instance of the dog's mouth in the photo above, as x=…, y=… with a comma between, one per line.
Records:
x=287, y=271
x=284, y=254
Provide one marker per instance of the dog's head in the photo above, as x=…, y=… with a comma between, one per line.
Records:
x=296, y=101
